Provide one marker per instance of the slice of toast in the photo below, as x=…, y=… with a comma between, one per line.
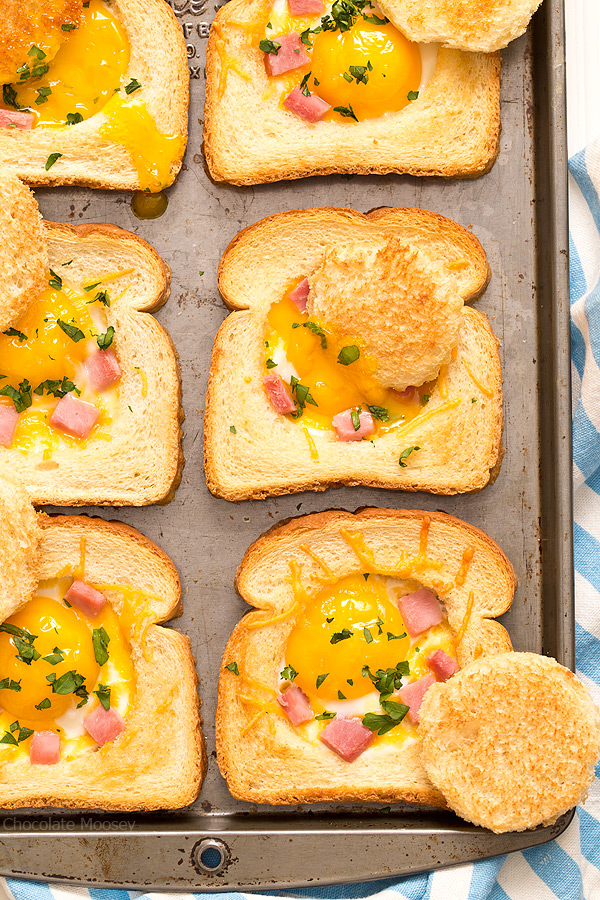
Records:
x=459, y=432
x=138, y=460
x=127, y=773
x=81, y=153
x=24, y=252
x=476, y=25
x=266, y=759
x=451, y=130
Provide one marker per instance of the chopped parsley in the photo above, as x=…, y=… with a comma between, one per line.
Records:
x=74, y=118
x=7, y=684
x=379, y=412
x=56, y=387
x=412, y=95
x=321, y=679
x=56, y=657
x=42, y=95
x=21, y=397
x=405, y=454
x=271, y=364
x=302, y=394
x=9, y=736
x=325, y=715
x=9, y=95
x=133, y=85
x=103, y=695
x=12, y=332
x=395, y=637
x=43, y=704
x=360, y=73
x=368, y=636
x=346, y=112
x=55, y=281
x=69, y=683
x=424, y=399
x=355, y=416
x=233, y=667
x=288, y=674
x=105, y=340
x=100, y=642
x=316, y=329
x=382, y=723
x=101, y=297
x=342, y=635
x=51, y=160
x=233, y=429
x=72, y=331
x=387, y=681
x=348, y=355
x=67, y=26
x=269, y=46
x=341, y=696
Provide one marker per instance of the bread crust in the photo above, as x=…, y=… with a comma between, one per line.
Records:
x=127, y=774
x=511, y=741
x=451, y=131
x=283, y=766
x=158, y=58
x=143, y=462
x=270, y=456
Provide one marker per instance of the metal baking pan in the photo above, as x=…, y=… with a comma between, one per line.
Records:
x=519, y=212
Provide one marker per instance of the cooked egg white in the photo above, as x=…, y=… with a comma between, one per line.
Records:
x=368, y=70
x=61, y=631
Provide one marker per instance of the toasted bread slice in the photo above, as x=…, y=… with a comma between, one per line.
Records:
x=266, y=759
x=451, y=130
x=20, y=538
x=24, y=251
x=139, y=459
x=511, y=741
x=476, y=25
x=128, y=773
x=459, y=432
x=120, y=146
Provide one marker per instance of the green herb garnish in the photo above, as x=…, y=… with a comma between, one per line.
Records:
x=348, y=355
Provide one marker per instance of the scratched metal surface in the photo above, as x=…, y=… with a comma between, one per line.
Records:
x=518, y=211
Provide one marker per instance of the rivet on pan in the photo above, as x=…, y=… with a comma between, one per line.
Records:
x=210, y=855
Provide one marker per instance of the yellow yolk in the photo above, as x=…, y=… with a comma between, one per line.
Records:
x=57, y=626
x=129, y=123
x=354, y=604
x=334, y=387
x=85, y=73
x=393, y=68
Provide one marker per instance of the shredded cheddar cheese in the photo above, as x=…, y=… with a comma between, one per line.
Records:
x=443, y=382
x=482, y=387
x=319, y=561
x=426, y=416
x=465, y=622
x=311, y=444
x=464, y=566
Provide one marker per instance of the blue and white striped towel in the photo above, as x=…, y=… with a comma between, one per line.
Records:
x=569, y=868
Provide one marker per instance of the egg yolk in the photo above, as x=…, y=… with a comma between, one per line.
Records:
x=54, y=626
x=85, y=73
x=370, y=68
x=344, y=628
x=313, y=352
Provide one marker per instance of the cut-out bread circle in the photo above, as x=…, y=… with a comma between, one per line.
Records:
x=511, y=741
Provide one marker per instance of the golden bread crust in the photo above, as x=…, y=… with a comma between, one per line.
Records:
x=273, y=762
x=511, y=741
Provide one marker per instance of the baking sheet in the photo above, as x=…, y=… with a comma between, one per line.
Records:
x=518, y=211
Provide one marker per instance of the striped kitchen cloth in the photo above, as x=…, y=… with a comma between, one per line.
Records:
x=568, y=868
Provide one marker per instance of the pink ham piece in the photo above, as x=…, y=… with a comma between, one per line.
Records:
x=306, y=7
x=278, y=395
x=410, y=394
x=311, y=108
x=104, y=724
x=299, y=295
x=44, y=749
x=291, y=55
x=103, y=369
x=8, y=424
x=344, y=427
x=22, y=120
x=86, y=598
x=74, y=416
x=412, y=695
x=295, y=703
x=347, y=737
x=442, y=665
x=420, y=611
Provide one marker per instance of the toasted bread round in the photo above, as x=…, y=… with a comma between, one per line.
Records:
x=23, y=252
x=397, y=300
x=27, y=23
x=475, y=25
x=511, y=741
x=20, y=536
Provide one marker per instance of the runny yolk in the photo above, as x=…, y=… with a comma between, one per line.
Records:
x=85, y=73
x=66, y=629
x=334, y=387
x=341, y=646
x=370, y=68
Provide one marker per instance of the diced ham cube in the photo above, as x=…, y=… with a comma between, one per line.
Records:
x=409, y=394
x=74, y=416
x=347, y=737
x=8, y=424
x=311, y=108
x=420, y=611
x=306, y=7
x=344, y=427
x=442, y=665
x=412, y=695
x=103, y=369
x=278, y=395
x=296, y=705
x=15, y=119
x=291, y=55
x=104, y=724
x=86, y=598
x=44, y=749
x=299, y=295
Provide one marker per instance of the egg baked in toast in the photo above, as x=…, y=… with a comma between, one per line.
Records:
x=89, y=681
x=89, y=386
x=304, y=87
x=357, y=615
x=93, y=93
x=350, y=358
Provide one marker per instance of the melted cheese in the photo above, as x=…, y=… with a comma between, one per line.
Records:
x=311, y=355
